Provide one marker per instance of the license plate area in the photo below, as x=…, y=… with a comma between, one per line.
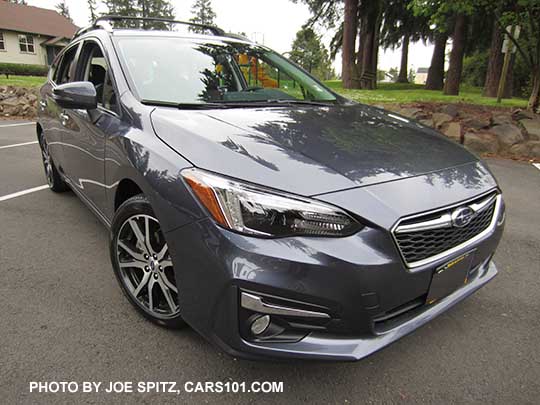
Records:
x=449, y=277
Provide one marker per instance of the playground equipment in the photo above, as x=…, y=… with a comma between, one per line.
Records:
x=255, y=73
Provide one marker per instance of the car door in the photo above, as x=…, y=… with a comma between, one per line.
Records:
x=53, y=118
x=84, y=150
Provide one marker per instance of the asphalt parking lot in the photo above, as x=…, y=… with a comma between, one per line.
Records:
x=63, y=317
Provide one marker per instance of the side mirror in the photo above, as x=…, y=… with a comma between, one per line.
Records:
x=76, y=95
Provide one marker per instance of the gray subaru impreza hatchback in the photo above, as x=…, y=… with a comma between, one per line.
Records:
x=249, y=201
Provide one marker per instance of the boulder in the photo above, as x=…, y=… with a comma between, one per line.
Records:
x=533, y=128
x=481, y=142
x=508, y=134
x=453, y=131
x=530, y=149
x=410, y=112
x=520, y=114
x=450, y=109
x=502, y=119
x=427, y=122
x=439, y=119
x=477, y=122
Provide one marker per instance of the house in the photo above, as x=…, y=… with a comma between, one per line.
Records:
x=421, y=75
x=32, y=35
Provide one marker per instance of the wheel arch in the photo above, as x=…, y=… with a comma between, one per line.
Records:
x=126, y=189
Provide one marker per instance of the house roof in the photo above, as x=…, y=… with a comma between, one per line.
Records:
x=16, y=17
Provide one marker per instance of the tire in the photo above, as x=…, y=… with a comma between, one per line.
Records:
x=142, y=263
x=54, y=180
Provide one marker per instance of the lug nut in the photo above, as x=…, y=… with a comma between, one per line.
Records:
x=161, y=268
x=146, y=256
x=155, y=276
x=260, y=324
x=146, y=268
x=155, y=257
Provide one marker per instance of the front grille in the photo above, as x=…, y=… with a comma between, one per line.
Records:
x=421, y=244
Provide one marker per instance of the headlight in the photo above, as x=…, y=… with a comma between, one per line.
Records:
x=255, y=211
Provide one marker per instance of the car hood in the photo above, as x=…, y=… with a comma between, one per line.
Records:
x=307, y=150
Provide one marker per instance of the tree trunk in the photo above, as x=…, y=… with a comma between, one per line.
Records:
x=349, y=37
x=495, y=62
x=435, y=77
x=403, y=70
x=459, y=38
x=369, y=26
x=534, y=100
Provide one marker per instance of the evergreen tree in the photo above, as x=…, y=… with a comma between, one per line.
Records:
x=92, y=8
x=202, y=14
x=311, y=54
x=63, y=9
x=141, y=8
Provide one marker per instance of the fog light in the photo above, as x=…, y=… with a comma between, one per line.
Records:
x=260, y=324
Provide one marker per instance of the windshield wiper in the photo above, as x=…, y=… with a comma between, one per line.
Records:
x=304, y=102
x=183, y=106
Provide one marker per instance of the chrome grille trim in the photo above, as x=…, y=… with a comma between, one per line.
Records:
x=445, y=220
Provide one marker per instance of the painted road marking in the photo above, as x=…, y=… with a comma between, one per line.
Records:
x=17, y=125
x=24, y=192
x=18, y=144
x=537, y=165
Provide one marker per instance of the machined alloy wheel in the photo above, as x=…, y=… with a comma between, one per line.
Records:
x=143, y=264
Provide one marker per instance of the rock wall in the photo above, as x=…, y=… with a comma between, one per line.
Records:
x=484, y=130
x=18, y=101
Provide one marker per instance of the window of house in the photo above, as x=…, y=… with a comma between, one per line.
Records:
x=2, y=42
x=26, y=43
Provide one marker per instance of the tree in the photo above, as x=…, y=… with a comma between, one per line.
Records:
x=526, y=14
x=450, y=16
x=202, y=14
x=401, y=26
x=435, y=77
x=309, y=52
x=350, y=27
x=459, y=38
x=141, y=8
x=494, y=66
x=63, y=9
x=92, y=8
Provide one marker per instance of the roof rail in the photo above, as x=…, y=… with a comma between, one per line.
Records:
x=104, y=22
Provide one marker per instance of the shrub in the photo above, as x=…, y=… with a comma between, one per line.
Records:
x=23, y=69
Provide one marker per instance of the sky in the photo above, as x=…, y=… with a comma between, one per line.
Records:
x=272, y=22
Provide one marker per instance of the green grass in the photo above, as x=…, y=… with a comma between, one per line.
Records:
x=409, y=93
x=22, y=81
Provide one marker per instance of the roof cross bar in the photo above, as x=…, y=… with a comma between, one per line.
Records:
x=101, y=22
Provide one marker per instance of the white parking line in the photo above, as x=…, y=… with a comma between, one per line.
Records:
x=20, y=193
x=17, y=125
x=18, y=144
x=537, y=165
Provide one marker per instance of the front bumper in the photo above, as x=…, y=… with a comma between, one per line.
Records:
x=355, y=280
x=321, y=346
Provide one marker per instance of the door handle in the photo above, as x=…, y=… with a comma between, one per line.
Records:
x=64, y=118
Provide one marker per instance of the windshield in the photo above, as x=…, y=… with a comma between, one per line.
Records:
x=191, y=71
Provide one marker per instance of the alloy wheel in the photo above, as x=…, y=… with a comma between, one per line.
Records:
x=146, y=267
x=47, y=163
